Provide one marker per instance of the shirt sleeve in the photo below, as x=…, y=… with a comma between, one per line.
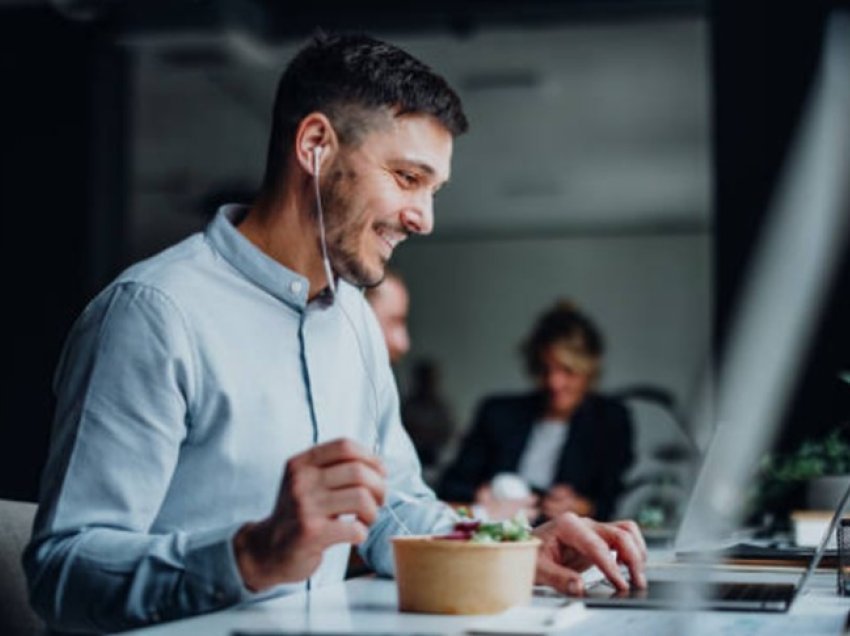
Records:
x=124, y=387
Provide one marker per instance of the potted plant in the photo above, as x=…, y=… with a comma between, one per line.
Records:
x=819, y=470
x=821, y=466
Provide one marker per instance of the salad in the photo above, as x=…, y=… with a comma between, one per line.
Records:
x=477, y=531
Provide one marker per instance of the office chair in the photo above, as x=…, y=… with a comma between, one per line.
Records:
x=16, y=616
x=655, y=488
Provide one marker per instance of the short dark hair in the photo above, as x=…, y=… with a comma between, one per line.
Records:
x=347, y=77
x=563, y=323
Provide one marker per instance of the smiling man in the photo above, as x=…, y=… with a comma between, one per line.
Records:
x=227, y=422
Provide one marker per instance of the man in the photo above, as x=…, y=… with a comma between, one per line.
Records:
x=391, y=302
x=227, y=423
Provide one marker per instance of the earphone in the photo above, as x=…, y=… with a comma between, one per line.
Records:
x=317, y=152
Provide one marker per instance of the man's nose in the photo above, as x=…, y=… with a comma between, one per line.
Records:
x=420, y=219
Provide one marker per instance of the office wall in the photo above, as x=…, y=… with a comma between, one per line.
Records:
x=474, y=300
x=62, y=190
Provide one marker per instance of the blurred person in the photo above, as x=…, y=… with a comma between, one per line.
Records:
x=390, y=301
x=570, y=444
x=227, y=423
x=426, y=416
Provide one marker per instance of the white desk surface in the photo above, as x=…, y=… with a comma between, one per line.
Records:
x=369, y=606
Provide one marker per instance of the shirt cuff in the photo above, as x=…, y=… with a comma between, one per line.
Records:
x=211, y=564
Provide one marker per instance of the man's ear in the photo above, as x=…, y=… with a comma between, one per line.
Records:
x=315, y=142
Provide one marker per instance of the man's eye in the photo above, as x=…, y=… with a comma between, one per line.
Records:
x=408, y=178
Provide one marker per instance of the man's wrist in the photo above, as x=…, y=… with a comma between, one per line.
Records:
x=249, y=560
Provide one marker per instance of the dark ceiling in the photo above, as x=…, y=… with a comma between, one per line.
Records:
x=277, y=21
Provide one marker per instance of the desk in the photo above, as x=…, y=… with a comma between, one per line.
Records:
x=369, y=605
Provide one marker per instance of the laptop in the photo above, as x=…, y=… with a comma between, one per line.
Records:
x=796, y=260
x=696, y=591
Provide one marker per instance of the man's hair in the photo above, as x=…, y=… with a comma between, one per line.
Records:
x=351, y=78
x=563, y=324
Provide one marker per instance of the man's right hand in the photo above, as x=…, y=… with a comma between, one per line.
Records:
x=319, y=485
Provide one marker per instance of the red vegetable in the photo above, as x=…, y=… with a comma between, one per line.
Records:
x=467, y=526
x=456, y=535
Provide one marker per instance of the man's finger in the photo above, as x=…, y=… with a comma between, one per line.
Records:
x=627, y=550
x=556, y=575
x=354, y=473
x=343, y=450
x=634, y=530
x=358, y=501
x=345, y=531
x=583, y=535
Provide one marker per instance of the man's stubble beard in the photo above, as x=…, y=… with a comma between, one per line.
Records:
x=344, y=237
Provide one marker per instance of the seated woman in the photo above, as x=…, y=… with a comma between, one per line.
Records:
x=570, y=444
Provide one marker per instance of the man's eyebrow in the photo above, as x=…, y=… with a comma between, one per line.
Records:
x=419, y=165
x=425, y=167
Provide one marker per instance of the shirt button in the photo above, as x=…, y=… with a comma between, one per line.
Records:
x=295, y=286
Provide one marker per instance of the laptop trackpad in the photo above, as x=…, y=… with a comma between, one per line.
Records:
x=671, y=594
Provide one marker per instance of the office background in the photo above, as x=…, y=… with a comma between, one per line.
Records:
x=622, y=154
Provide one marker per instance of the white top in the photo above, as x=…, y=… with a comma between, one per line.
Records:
x=540, y=457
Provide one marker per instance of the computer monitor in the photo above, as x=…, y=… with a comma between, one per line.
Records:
x=797, y=257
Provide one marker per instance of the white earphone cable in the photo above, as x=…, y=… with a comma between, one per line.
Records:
x=325, y=260
x=376, y=448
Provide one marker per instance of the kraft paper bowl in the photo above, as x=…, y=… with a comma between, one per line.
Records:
x=443, y=576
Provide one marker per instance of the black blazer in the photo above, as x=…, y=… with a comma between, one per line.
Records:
x=593, y=460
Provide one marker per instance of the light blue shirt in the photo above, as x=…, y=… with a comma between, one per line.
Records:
x=183, y=389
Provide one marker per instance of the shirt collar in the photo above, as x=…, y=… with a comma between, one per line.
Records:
x=253, y=263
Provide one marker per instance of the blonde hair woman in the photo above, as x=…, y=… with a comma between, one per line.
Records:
x=568, y=443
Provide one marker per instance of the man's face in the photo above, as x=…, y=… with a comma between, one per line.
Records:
x=381, y=190
x=390, y=302
x=565, y=385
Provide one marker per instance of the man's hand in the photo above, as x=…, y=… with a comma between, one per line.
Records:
x=498, y=509
x=562, y=498
x=319, y=485
x=571, y=544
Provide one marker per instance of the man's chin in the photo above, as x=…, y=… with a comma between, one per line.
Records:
x=361, y=276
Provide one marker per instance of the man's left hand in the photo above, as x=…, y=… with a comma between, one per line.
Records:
x=571, y=544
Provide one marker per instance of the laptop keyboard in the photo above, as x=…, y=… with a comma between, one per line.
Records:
x=752, y=592
x=772, y=596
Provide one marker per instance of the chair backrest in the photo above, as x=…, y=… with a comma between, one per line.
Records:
x=16, y=616
x=660, y=430
x=663, y=449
